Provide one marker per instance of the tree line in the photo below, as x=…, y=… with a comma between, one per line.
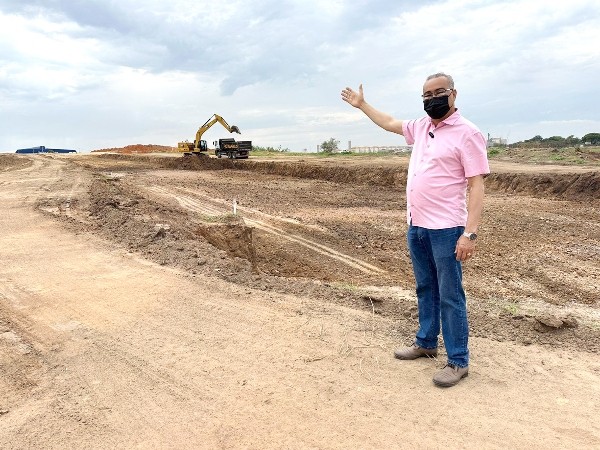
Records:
x=558, y=141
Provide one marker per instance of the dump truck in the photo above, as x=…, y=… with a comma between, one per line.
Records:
x=232, y=149
x=199, y=147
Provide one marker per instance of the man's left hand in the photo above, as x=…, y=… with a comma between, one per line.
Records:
x=465, y=249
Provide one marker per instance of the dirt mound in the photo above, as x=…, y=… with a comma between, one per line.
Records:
x=121, y=162
x=202, y=162
x=374, y=175
x=380, y=176
x=569, y=186
x=138, y=148
x=10, y=161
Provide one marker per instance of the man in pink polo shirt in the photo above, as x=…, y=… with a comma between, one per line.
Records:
x=449, y=159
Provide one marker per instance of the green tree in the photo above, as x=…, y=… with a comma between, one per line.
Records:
x=572, y=140
x=556, y=142
x=592, y=138
x=330, y=146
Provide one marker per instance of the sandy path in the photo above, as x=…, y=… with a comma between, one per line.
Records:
x=101, y=349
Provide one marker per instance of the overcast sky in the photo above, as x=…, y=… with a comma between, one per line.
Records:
x=89, y=74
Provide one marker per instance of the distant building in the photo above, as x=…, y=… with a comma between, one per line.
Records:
x=496, y=141
x=377, y=149
x=382, y=149
x=43, y=149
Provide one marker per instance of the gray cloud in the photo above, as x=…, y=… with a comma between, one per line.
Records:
x=276, y=63
x=262, y=41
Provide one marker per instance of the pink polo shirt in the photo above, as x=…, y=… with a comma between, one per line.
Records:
x=436, y=188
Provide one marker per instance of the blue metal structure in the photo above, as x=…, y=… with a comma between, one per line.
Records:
x=43, y=149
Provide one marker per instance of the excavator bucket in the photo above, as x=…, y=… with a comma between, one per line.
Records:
x=235, y=129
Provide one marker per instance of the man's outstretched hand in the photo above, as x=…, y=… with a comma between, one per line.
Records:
x=356, y=99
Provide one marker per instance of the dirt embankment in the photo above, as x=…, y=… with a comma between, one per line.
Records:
x=569, y=186
x=576, y=186
x=138, y=149
x=336, y=171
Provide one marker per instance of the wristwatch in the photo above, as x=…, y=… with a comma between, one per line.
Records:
x=471, y=236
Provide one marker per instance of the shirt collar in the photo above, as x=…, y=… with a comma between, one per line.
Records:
x=450, y=120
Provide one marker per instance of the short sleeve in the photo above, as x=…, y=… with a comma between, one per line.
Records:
x=474, y=155
x=408, y=130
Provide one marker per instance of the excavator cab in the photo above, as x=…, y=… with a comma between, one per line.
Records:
x=188, y=148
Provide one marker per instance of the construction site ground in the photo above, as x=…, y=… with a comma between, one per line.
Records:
x=156, y=301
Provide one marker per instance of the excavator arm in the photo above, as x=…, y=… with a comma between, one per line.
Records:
x=199, y=145
x=209, y=123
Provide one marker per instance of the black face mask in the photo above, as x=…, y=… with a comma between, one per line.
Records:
x=436, y=107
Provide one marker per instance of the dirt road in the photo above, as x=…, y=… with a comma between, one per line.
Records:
x=128, y=320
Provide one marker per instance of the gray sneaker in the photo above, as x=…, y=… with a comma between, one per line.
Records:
x=450, y=375
x=414, y=352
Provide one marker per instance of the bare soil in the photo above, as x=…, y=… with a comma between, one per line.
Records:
x=137, y=310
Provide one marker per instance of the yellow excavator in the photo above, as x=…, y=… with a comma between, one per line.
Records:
x=199, y=145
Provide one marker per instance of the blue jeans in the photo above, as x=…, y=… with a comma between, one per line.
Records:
x=440, y=293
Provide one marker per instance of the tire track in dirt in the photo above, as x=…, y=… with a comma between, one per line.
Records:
x=65, y=187
x=38, y=187
x=38, y=317
x=203, y=205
